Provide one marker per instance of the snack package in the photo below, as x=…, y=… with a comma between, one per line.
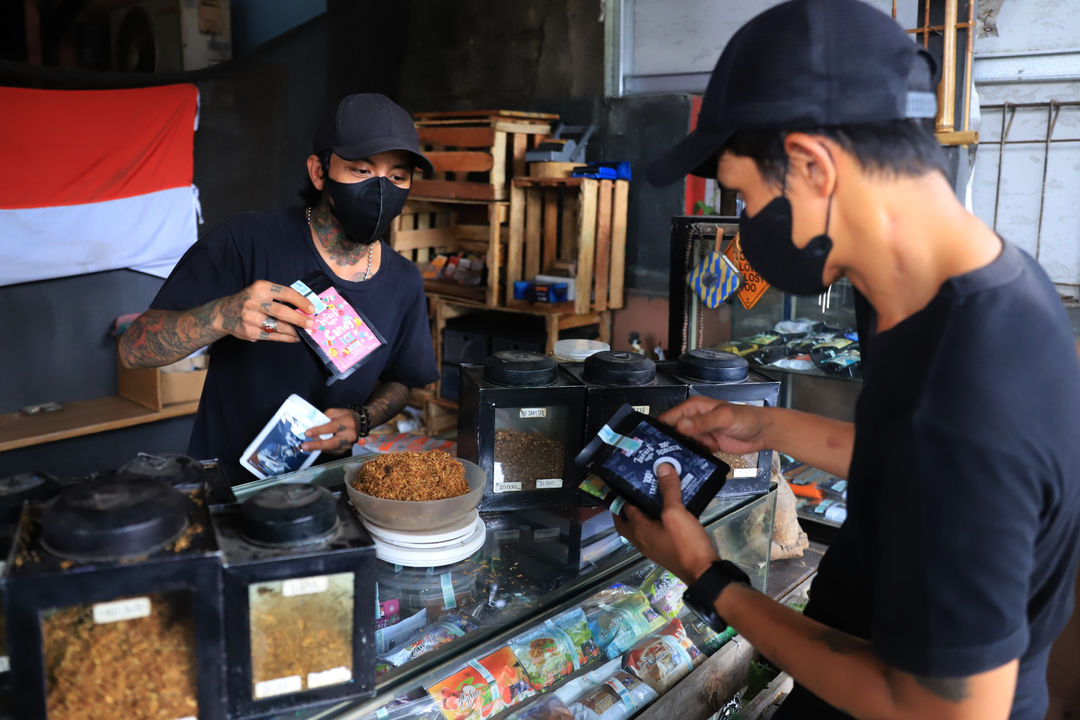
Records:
x=701, y=634
x=448, y=628
x=627, y=452
x=343, y=337
x=618, y=617
x=661, y=660
x=664, y=591
x=404, y=708
x=548, y=707
x=617, y=698
x=276, y=449
x=483, y=687
x=555, y=649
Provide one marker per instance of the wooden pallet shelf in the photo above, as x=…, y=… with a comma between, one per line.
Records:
x=85, y=417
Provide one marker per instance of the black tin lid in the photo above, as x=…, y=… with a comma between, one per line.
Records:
x=289, y=514
x=173, y=468
x=114, y=518
x=613, y=367
x=22, y=487
x=709, y=365
x=520, y=368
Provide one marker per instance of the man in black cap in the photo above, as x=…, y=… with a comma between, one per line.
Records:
x=231, y=290
x=944, y=589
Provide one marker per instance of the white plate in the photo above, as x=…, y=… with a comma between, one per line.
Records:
x=432, y=556
x=423, y=538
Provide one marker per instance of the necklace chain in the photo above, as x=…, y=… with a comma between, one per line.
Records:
x=370, y=251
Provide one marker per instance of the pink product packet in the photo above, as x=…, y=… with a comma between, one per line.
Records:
x=342, y=336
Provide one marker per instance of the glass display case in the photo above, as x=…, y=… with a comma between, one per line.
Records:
x=512, y=625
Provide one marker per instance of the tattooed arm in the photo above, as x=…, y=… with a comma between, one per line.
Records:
x=159, y=337
x=841, y=669
x=385, y=401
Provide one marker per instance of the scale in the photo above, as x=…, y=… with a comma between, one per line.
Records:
x=429, y=548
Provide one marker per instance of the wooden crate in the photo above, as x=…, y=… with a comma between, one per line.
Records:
x=427, y=228
x=154, y=389
x=570, y=222
x=476, y=154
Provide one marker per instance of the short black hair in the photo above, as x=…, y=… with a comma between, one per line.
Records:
x=900, y=148
x=309, y=193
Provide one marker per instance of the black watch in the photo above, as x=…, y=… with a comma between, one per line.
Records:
x=365, y=422
x=701, y=596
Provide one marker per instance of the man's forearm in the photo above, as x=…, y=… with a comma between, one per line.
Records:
x=845, y=672
x=813, y=439
x=386, y=401
x=160, y=337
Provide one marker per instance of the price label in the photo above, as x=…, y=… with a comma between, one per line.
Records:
x=336, y=676
x=305, y=586
x=643, y=409
x=278, y=686
x=743, y=472
x=120, y=610
x=532, y=413
x=548, y=483
x=753, y=285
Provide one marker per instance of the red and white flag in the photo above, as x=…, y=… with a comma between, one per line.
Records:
x=96, y=180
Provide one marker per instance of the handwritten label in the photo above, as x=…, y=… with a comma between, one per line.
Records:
x=305, y=586
x=548, y=483
x=279, y=686
x=744, y=472
x=120, y=610
x=532, y=413
x=336, y=676
x=643, y=409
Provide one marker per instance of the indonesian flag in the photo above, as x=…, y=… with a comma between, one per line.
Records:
x=95, y=180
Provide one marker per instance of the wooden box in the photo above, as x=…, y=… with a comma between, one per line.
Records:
x=577, y=223
x=476, y=154
x=427, y=228
x=155, y=389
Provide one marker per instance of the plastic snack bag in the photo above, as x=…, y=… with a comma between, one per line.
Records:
x=618, y=617
x=617, y=698
x=660, y=661
x=548, y=707
x=664, y=591
x=445, y=630
x=482, y=688
x=555, y=649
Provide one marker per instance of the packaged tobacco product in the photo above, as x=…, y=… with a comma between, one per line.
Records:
x=483, y=687
x=661, y=660
x=617, y=698
x=555, y=649
x=447, y=629
x=618, y=617
x=664, y=591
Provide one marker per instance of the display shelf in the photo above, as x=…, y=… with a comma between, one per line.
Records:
x=772, y=369
x=83, y=417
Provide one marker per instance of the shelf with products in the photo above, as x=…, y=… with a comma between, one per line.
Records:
x=528, y=591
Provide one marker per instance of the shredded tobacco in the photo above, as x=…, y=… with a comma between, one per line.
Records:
x=528, y=456
x=431, y=475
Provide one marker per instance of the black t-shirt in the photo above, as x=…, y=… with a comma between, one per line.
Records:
x=961, y=541
x=248, y=381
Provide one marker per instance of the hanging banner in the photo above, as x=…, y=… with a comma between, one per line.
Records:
x=96, y=180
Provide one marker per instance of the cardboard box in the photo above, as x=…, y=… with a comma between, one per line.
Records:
x=155, y=388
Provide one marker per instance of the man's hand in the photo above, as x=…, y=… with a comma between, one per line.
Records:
x=677, y=541
x=244, y=314
x=720, y=425
x=343, y=425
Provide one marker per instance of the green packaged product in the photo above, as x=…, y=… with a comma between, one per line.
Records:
x=556, y=649
x=618, y=617
x=664, y=591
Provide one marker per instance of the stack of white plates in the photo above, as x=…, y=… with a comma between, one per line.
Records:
x=429, y=548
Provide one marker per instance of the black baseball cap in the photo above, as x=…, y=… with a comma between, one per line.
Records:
x=805, y=64
x=359, y=126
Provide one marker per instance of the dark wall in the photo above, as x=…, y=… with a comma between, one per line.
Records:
x=257, y=115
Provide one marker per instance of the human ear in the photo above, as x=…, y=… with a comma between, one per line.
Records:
x=315, y=171
x=811, y=163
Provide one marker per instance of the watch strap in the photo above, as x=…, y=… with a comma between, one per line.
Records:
x=701, y=595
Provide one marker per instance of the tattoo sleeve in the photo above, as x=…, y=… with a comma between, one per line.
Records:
x=160, y=337
x=952, y=689
x=386, y=401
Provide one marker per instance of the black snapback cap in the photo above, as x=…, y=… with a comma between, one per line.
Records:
x=806, y=64
x=365, y=124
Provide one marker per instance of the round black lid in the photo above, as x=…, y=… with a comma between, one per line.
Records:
x=615, y=367
x=173, y=468
x=519, y=368
x=289, y=514
x=713, y=366
x=21, y=487
x=114, y=518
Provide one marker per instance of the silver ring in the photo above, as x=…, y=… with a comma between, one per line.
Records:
x=270, y=324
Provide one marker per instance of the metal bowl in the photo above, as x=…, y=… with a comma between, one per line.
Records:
x=417, y=514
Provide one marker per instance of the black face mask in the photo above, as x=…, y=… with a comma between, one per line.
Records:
x=366, y=208
x=765, y=240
